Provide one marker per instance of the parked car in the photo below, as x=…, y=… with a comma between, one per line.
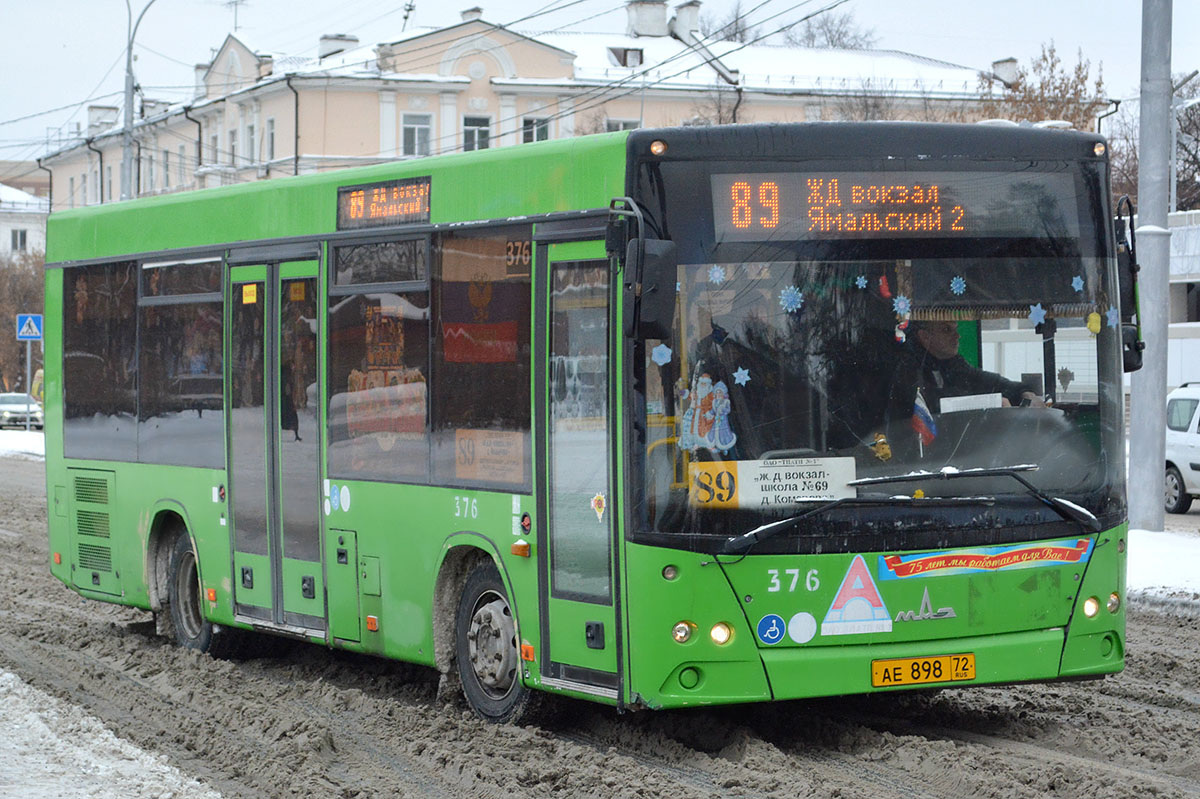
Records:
x=1183, y=448
x=15, y=407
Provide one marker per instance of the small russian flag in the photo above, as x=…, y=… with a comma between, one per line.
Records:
x=922, y=421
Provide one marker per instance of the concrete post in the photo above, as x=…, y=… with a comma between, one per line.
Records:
x=1148, y=417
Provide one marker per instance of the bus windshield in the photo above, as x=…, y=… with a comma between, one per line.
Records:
x=805, y=362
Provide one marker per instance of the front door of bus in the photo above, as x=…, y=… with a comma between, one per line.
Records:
x=274, y=445
x=580, y=648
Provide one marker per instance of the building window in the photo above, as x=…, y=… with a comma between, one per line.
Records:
x=233, y=147
x=270, y=139
x=96, y=183
x=535, y=129
x=182, y=166
x=476, y=131
x=83, y=188
x=149, y=173
x=108, y=182
x=166, y=168
x=19, y=240
x=214, y=149
x=250, y=154
x=416, y=134
x=626, y=56
x=71, y=192
x=613, y=125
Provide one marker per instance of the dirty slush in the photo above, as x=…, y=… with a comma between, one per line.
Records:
x=298, y=720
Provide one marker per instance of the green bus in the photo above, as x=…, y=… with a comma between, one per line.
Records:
x=658, y=418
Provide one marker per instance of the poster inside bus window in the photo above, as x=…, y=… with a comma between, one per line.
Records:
x=389, y=202
x=764, y=206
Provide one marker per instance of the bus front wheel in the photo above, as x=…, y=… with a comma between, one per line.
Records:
x=487, y=652
x=191, y=629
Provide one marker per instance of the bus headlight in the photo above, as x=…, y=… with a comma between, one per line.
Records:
x=1091, y=606
x=682, y=631
x=721, y=633
x=1114, y=602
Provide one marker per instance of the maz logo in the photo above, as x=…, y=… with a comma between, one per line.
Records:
x=926, y=612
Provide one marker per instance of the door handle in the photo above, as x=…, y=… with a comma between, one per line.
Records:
x=342, y=556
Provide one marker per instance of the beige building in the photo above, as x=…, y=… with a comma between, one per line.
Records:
x=22, y=222
x=475, y=85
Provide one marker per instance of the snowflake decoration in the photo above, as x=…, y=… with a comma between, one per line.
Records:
x=958, y=285
x=661, y=355
x=901, y=305
x=1037, y=314
x=1077, y=283
x=741, y=376
x=790, y=299
x=716, y=274
x=861, y=281
x=1114, y=317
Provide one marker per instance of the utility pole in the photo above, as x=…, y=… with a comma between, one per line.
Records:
x=1148, y=419
x=127, y=134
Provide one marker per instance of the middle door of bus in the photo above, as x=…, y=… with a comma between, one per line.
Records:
x=274, y=442
x=576, y=496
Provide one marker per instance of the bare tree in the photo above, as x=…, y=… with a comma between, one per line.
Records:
x=719, y=106
x=832, y=29
x=733, y=27
x=21, y=291
x=1047, y=90
x=1123, y=133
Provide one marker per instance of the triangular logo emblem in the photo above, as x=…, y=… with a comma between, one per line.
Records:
x=857, y=608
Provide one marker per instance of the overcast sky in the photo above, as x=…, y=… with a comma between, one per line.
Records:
x=65, y=53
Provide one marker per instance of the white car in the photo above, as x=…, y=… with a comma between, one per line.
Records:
x=13, y=410
x=1183, y=448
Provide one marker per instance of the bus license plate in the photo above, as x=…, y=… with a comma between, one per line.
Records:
x=920, y=671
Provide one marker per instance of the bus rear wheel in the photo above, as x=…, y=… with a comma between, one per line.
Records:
x=487, y=652
x=191, y=629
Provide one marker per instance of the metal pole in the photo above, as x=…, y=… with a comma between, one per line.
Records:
x=28, y=382
x=127, y=133
x=1148, y=417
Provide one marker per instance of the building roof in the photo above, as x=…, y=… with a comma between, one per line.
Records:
x=17, y=201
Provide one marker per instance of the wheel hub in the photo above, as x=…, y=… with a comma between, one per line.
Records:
x=492, y=645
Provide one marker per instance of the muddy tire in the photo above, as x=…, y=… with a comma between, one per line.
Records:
x=488, y=655
x=1176, y=499
x=191, y=629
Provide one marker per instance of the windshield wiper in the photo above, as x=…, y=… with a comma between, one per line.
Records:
x=746, y=540
x=1068, y=510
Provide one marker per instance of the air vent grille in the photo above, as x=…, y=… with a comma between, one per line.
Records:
x=90, y=522
x=95, y=558
x=91, y=489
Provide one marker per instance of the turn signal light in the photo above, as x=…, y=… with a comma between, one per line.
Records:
x=212, y=595
x=682, y=631
x=527, y=652
x=373, y=623
x=57, y=558
x=521, y=548
x=1114, y=602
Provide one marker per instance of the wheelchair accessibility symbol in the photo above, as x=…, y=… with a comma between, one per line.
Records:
x=771, y=629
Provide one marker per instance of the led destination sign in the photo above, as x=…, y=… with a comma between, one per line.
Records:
x=890, y=205
x=390, y=202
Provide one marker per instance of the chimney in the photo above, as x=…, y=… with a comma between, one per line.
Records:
x=686, y=20
x=472, y=14
x=152, y=108
x=333, y=43
x=101, y=118
x=200, y=70
x=1005, y=70
x=646, y=18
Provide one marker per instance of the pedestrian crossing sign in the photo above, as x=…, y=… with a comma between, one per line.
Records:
x=29, y=327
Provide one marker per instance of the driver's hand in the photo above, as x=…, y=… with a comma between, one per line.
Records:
x=1032, y=400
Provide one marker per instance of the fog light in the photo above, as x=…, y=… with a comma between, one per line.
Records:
x=721, y=633
x=1091, y=606
x=682, y=631
x=670, y=572
x=658, y=146
x=1114, y=602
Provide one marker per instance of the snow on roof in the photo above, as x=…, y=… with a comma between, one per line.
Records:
x=768, y=67
x=12, y=199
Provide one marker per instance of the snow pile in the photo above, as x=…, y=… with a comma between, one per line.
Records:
x=1163, y=564
x=27, y=445
x=51, y=749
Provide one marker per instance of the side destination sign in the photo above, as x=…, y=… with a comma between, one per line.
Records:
x=389, y=202
x=769, y=483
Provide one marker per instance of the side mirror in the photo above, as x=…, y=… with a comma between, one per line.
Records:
x=1131, y=348
x=654, y=265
